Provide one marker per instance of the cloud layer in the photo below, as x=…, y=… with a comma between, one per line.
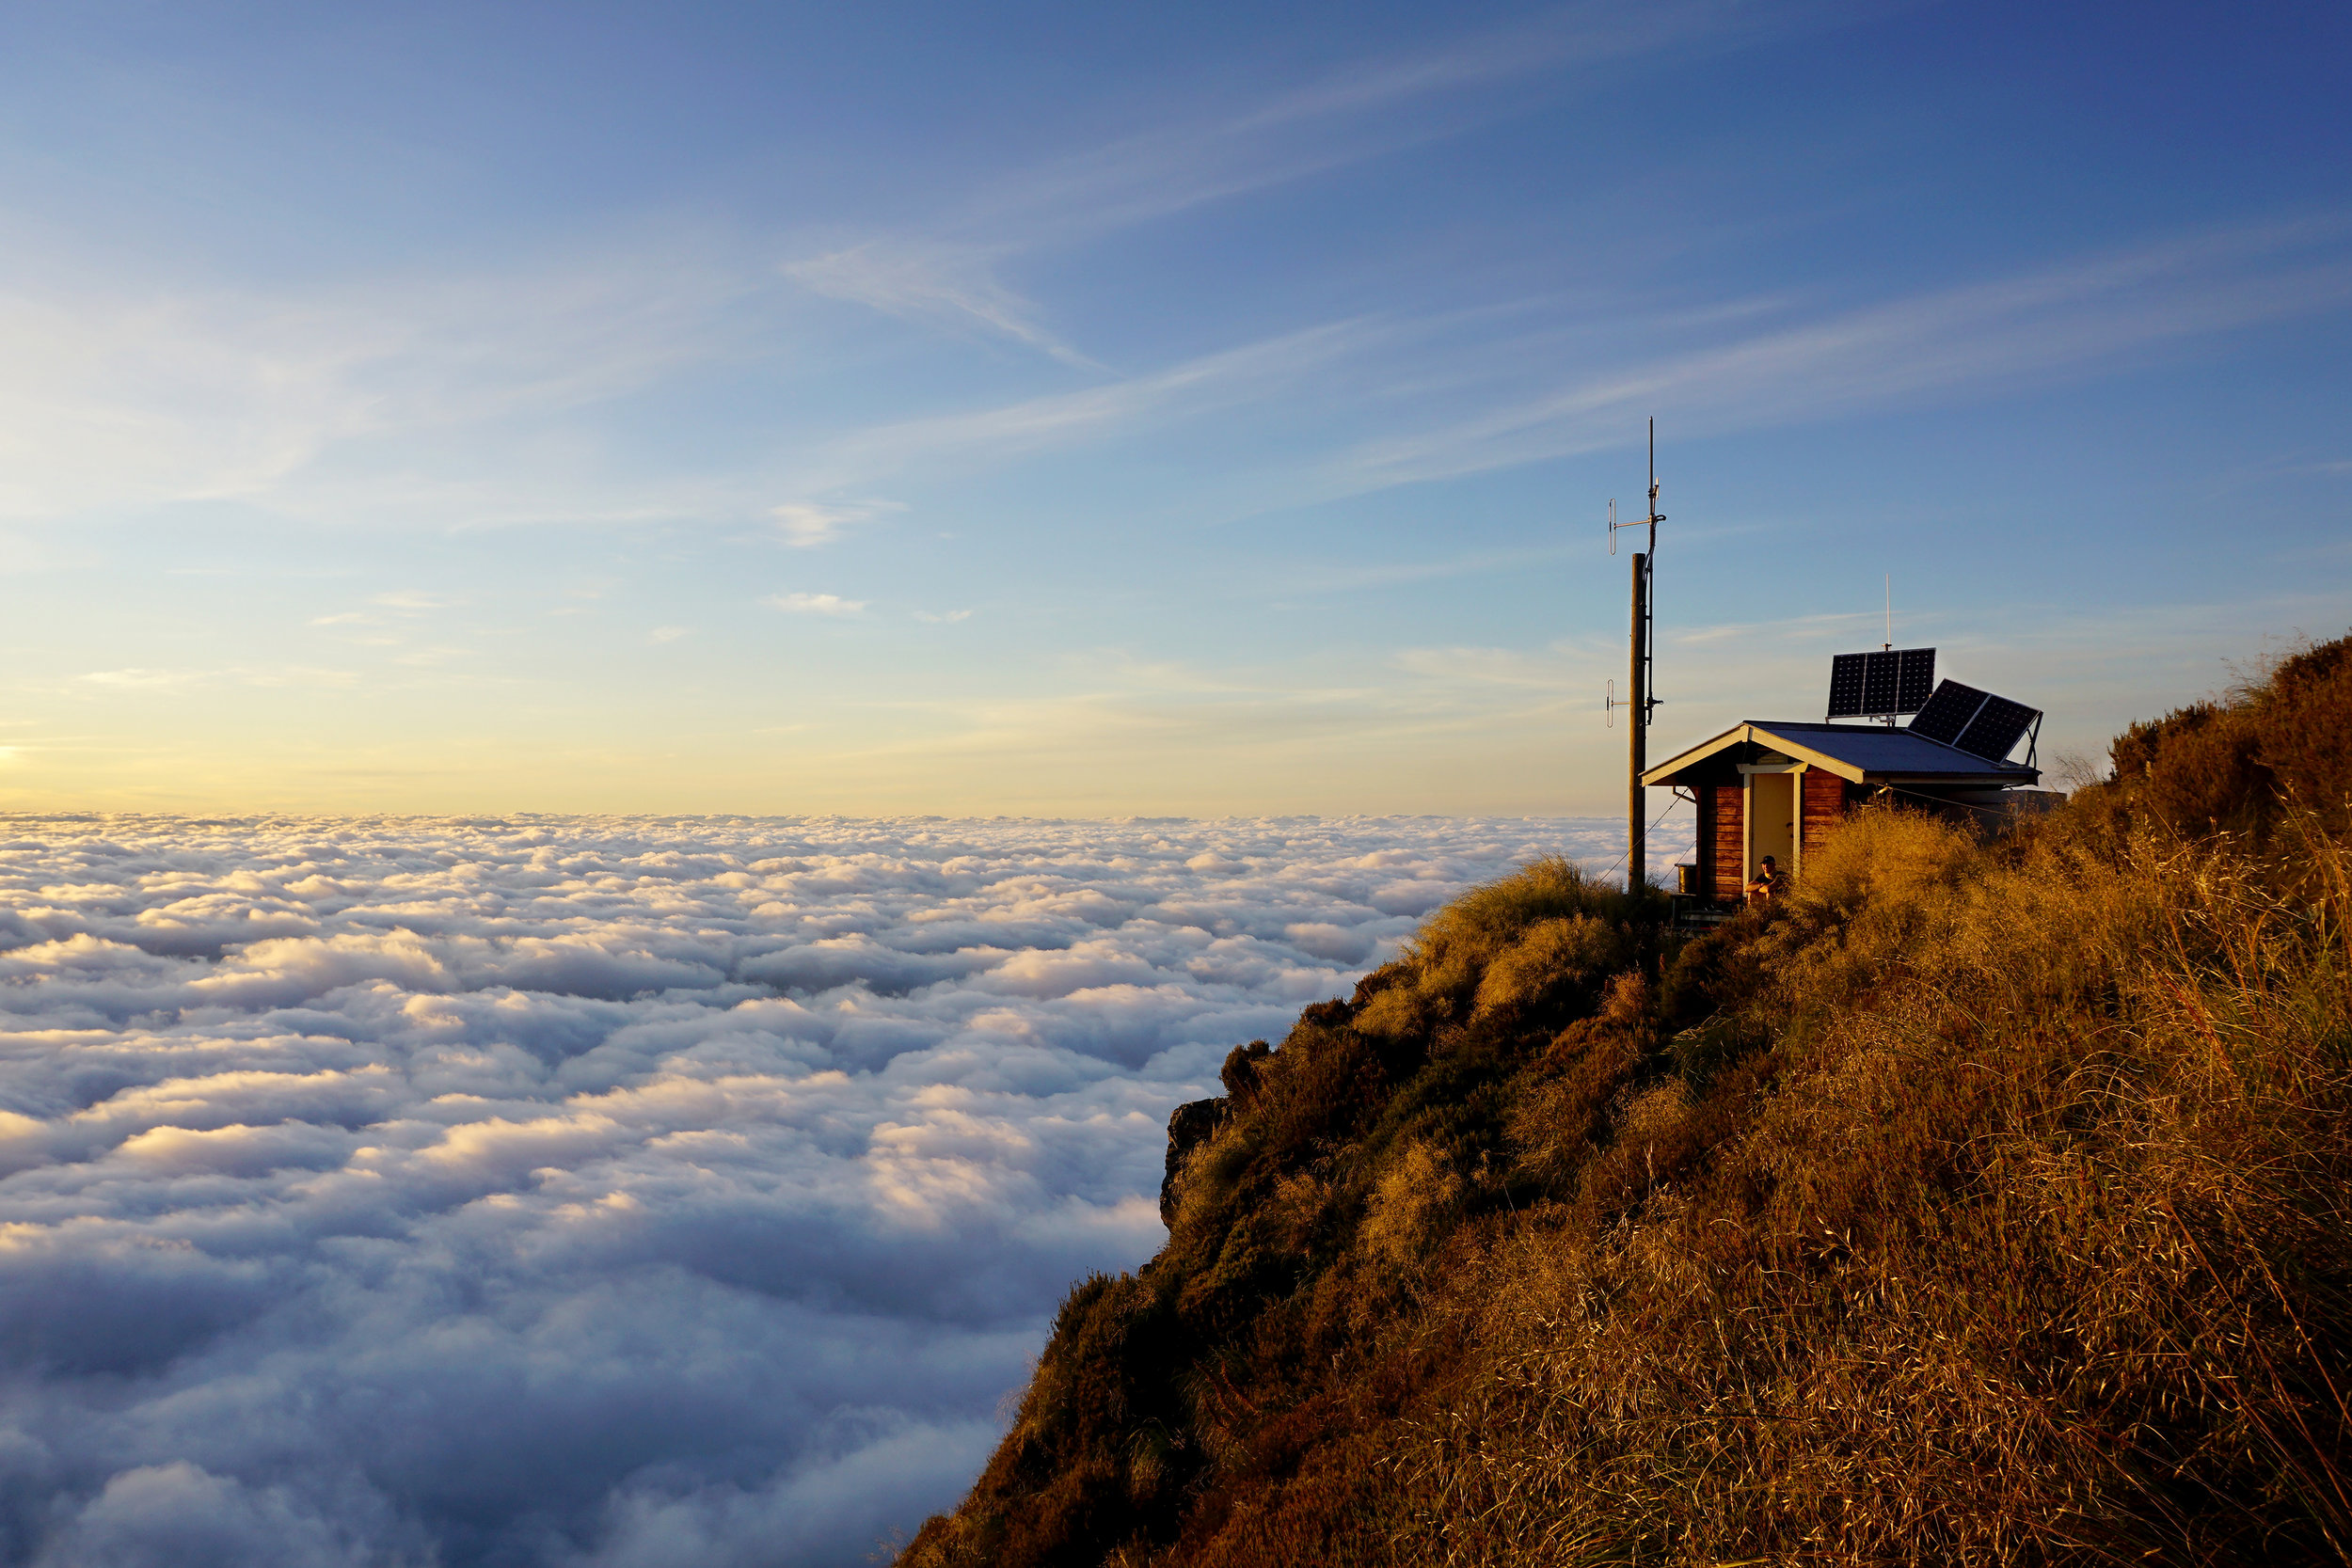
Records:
x=598, y=1190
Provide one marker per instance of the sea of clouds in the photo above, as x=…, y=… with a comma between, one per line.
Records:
x=595, y=1190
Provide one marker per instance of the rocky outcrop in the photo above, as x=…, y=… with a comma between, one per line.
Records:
x=1189, y=1126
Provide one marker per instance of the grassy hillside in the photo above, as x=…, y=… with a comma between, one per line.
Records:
x=1979, y=1203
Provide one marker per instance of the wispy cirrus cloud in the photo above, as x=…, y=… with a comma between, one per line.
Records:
x=1720, y=369
x=948, y=273
x=1354, y=111
x=124, y=390
x=142, y=679
x=1506, y=667
x=809, y=524
x=139, y=678
x=1743, y=364
x=816, y=604
x=950, y=285
x=1347, y=577
x=2070, y=318
x=1184, y=390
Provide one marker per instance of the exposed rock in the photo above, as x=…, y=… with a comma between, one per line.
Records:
x=1189, y=1126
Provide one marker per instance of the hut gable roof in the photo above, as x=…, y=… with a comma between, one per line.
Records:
x=1860, y=753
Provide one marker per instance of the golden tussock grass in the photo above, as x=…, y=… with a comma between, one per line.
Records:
x=2035, y=1257
x=1979, y=1203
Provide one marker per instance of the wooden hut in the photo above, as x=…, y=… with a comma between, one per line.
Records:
x=1764, y=787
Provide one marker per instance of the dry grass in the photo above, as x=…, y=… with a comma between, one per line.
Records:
x=1544, y=937
x=1975, y=1204
x=2041, y=1258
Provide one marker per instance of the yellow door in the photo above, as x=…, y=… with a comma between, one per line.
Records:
x=1773, y=825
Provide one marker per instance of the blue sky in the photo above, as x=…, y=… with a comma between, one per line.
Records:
x=1090, y=411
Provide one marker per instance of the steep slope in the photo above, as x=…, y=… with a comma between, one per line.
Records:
x=1985, y=1203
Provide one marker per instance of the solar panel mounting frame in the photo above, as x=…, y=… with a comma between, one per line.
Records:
x=1997, y=729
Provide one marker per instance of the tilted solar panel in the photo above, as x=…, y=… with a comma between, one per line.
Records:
x=1876, y=685
x=1997, y=729
x=1948, y=712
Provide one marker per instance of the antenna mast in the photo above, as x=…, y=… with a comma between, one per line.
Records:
x=1642, y=700
x=1888, y=646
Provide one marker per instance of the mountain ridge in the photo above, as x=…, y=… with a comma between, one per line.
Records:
x=1977, y=1199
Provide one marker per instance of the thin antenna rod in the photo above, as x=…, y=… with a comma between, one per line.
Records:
x=1653, y=489
x=1888, y=646
x=1649, y=571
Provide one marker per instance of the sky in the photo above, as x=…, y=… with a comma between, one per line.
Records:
x=631, y=1192
x=1061, y=410
x=1171, y=443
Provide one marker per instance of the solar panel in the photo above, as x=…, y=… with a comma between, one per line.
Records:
x=1845, y=685
x=1974, y=722
x=1917, y=680
x=1997, y=729
x=1876, y=685
x=1948, y=712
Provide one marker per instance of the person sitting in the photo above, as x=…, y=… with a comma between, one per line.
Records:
x=1769, y=882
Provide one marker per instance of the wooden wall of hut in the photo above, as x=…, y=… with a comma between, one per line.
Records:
x=1826, y=803
x=1721, y=835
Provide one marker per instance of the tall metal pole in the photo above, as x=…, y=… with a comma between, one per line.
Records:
x=1642, y=700
x=1636, y=865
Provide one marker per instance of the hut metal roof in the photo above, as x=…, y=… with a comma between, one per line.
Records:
x=1861, y=753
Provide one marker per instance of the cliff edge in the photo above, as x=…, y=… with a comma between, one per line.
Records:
x=1978, y=1201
